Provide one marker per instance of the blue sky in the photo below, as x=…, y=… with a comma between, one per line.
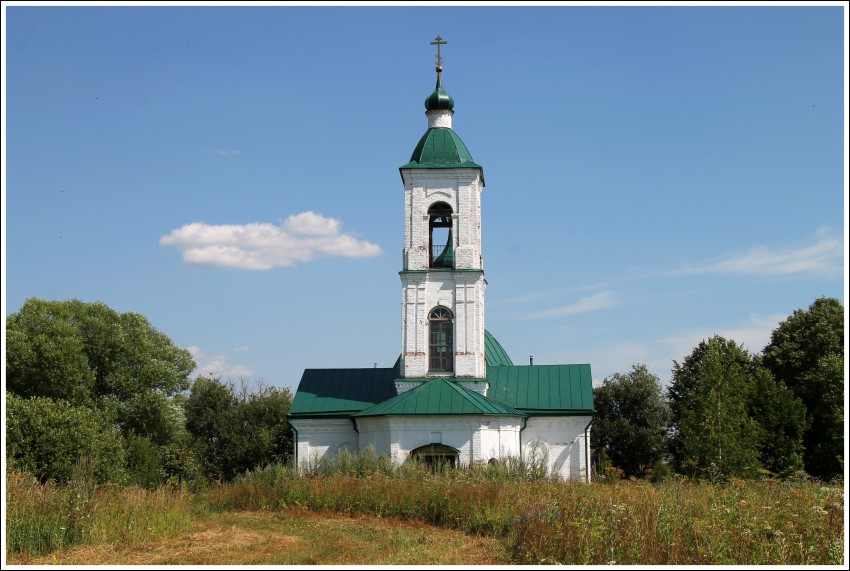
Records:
x=655, y=175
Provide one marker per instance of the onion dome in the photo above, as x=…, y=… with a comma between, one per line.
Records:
x=439, y=98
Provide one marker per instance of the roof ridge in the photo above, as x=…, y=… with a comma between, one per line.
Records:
x=477, y=395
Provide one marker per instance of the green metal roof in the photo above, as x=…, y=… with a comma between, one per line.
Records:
x=494, y=354
x=543, y=389
x=329, y=392
x=440, y=148
x=438, y=396
x=533, y=390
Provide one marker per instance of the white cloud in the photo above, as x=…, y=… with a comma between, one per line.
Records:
x=262, y=246
x=823, y=258
x=223, y=152
x=216, y=365
x=242, y=349
x=596, y=302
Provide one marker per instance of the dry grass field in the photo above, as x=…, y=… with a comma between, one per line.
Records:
x=380, y=515
x=291, y=537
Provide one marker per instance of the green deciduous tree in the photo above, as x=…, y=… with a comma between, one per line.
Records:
x=713, y=434
x=631, y=420
x=237, y=429
x=211, y=420
x=116, y=365
x=730, y=416
x=782, y=418
x=806, y=353
x=45, y=354
x=48, y=437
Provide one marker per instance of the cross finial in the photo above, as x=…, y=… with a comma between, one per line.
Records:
x=439, y=43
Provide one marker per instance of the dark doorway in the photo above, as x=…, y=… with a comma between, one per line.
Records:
x=436, y=456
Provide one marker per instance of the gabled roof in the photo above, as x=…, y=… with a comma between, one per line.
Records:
x=438, y=396
x=543, y=389
x=341, y=392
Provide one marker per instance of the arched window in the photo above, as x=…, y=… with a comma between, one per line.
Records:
x=441, y=249
x=440, y=343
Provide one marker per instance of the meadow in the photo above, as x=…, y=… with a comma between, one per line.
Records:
x=527, y=517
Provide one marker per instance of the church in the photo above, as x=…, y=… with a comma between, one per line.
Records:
x=454, y=395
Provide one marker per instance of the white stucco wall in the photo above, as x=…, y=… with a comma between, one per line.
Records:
x=439, y=118
x=424, y=288
x=459, y=188
x=476, y=438
x=563, y=439
x=463, y=294
x=323, y=437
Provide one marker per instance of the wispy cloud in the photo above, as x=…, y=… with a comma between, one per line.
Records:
x=242, y=349
x=262, y=246
x=658, y=354
x=217, y=365
x=752, y=334
x=223, y=152
x=823, y=258
x=596, y=302
x=537, y=296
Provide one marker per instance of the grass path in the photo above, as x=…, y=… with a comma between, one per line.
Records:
x=292, y=537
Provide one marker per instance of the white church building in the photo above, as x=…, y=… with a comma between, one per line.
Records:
x=454, y=395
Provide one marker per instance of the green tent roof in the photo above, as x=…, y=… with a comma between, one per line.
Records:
x=340, y=392
x=438, y=396
x=543, y=389
x=440, y=148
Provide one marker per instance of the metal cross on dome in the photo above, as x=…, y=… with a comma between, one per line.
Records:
x=439, y=43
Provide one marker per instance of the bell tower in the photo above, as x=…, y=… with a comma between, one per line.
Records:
x=442, y=272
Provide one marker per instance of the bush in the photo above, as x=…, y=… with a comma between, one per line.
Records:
x=48, y=438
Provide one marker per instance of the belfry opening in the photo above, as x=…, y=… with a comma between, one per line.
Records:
x=440, y=236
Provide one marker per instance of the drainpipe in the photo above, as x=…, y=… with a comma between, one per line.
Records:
x=524, y=422
x=295, y=430
x=587, y=449
x=354, y=422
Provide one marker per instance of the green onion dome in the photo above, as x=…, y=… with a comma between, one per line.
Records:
x=439, y=98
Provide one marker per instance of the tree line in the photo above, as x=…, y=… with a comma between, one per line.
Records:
x=728, y=412
x=84, y=381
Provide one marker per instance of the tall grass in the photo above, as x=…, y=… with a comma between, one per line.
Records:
x=540, y=520
x=678, y=522
x=41, y=518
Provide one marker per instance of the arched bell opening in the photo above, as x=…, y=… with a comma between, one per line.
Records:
x=440, y=247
